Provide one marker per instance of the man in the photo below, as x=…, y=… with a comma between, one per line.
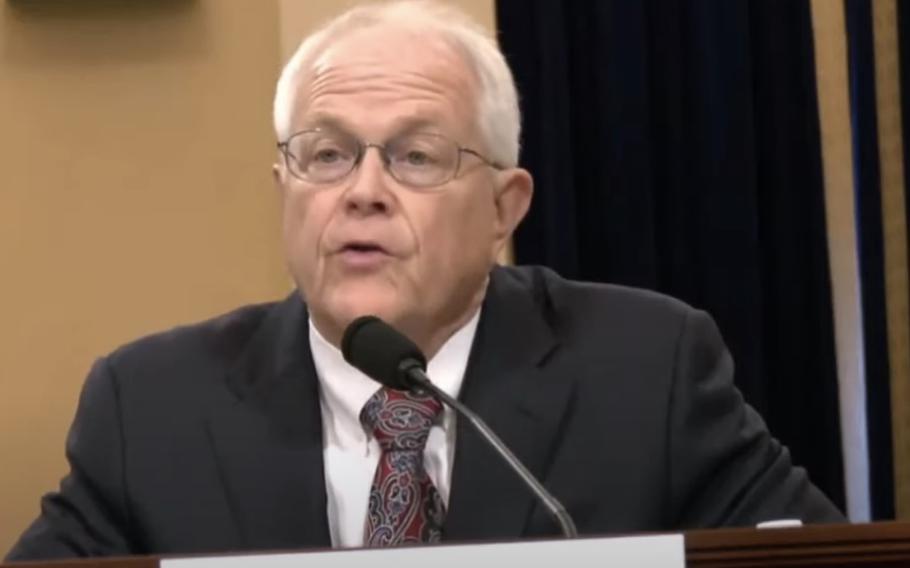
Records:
x=398, y=128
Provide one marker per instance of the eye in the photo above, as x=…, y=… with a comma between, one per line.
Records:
x=327, y=156
x=418, y=158
x=327, y=150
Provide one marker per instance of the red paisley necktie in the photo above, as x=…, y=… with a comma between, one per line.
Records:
x=404, y=507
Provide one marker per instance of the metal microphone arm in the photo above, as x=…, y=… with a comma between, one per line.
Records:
x=414, y=370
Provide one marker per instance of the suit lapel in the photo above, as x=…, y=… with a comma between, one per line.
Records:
x=268, y=440
x=507, y=384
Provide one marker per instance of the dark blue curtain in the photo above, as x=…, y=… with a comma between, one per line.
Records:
x=675, y=146
x=903, y=38
x=870, y=248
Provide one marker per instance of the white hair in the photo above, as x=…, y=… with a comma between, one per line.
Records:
x=498, y=115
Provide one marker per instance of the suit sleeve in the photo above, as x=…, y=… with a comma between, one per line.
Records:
x=88, y=515
x=725, y=467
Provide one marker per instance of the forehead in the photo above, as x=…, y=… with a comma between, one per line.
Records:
x=379, y=79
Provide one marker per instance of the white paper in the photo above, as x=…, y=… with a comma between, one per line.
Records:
x=662, y=551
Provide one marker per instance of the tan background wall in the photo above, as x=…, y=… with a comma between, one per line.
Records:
x=298, y=17
x=135, y=194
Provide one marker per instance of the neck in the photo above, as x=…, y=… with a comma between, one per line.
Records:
x=430, y=343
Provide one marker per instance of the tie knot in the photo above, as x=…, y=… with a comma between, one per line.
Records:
x=399, y=420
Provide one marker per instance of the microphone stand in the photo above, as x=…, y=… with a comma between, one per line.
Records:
x=413, y=369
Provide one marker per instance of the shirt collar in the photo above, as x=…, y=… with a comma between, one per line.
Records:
x=344, y=389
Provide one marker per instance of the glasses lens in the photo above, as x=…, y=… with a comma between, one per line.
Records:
x=422, y=160
x=321, y=156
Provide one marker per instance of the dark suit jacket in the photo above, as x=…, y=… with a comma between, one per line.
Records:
x=208, y=438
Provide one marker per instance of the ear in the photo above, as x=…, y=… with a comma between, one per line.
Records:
x=514, y=188
x=280, y=177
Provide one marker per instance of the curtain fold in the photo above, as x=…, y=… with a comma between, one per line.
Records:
x=894, y=229
x=831, y=69
x=860, y=42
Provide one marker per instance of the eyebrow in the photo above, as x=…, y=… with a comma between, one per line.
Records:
x=324, y=121
x=407, y=125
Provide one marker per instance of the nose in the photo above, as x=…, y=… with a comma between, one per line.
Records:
x=369, y=192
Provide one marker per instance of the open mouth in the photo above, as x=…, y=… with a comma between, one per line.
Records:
x=363, y=255
x=363, y=248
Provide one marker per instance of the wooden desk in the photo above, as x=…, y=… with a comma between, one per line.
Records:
x=845, y=546
x=842, y=546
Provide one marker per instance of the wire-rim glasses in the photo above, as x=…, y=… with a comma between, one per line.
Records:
x=420, y=160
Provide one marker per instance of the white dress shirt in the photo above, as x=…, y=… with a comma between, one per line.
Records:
x=351, y=455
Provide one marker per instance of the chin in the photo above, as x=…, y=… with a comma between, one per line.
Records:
x=352, y=306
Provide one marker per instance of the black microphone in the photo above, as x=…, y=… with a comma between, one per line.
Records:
x=387, y=356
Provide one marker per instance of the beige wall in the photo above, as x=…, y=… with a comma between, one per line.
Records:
x=135, y=193
x=135, y=145
x=298, y=17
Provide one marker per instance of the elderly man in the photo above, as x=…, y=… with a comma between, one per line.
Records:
x=397, y=166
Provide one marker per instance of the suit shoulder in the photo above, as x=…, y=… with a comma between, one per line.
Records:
x=561, y=295
x=219, y=338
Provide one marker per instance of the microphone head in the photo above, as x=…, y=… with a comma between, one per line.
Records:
x=378, y=350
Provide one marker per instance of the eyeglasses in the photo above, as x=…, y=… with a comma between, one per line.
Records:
x=419, y=160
